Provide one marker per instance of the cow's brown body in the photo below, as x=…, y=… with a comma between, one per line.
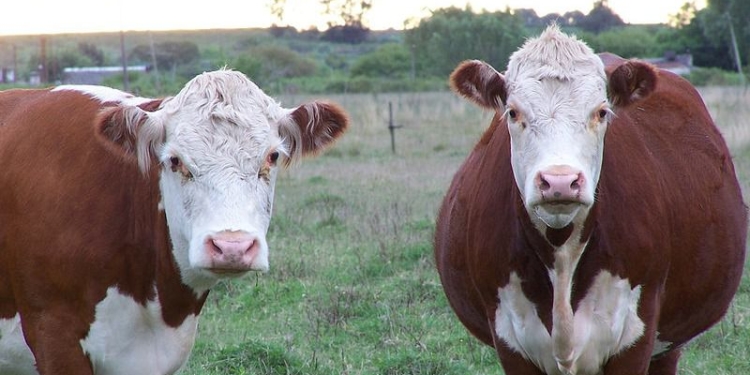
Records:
x=669, y=217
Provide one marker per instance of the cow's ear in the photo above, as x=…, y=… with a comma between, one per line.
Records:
x=630, y=82
x=480, y=83
x=131, y=133
x=311, y=128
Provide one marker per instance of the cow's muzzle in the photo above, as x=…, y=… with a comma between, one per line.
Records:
x=232, y=252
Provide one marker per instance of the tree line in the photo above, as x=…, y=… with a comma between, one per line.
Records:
x=339, y=59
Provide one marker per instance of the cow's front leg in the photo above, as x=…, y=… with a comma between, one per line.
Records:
x=665, y=364
x=54, y=338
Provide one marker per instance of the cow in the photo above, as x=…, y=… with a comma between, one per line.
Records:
x=119, y=213
x=571, y=257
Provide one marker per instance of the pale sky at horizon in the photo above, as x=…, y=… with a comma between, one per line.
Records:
x=32, y=17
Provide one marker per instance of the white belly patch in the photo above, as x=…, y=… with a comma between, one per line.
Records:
x=129, y=338
x=126, y=338
x=605, y=323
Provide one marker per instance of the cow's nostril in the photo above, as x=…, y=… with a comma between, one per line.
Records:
x=544, y=185
x=214, y=248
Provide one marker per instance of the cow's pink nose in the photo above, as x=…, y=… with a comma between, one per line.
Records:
x=232, y=251
x=560, y=185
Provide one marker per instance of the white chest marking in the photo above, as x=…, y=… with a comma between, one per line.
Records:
x=15, y=356
x=605, y=323
x=129, y=338
x=126, y=338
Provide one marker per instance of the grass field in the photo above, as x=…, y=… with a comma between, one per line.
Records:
x=352, y=287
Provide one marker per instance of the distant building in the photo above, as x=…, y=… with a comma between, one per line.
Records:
x=7, y=75
x=35, y=79
x=95, y=75
x=681, y=64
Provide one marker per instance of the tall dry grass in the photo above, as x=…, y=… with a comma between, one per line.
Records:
x=730, y=108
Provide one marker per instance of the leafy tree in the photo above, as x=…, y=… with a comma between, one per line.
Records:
x=722, y=17
x=346, y=20
x=346, y=12
x=573, y=18
x=705, y=33
x=451, y=35
x=683, y=16
x=389, y=61
x=628, y=42
x=346, y=34
x=277, y=8
x=96, y=55
x=600, y=18
x=692, y=38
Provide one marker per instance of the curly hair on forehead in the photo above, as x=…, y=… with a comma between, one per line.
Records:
x=556, y=55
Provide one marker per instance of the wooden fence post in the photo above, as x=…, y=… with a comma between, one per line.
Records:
x=392, y=127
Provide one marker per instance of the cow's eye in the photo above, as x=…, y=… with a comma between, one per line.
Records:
x=603, y=114
x=273, y=157
x=178, y=166
x=175, y=163
x=512, y=114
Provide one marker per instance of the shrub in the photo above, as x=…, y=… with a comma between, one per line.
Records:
x=713, y=77
x=392, y=60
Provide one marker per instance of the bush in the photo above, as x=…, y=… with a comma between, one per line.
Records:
x=342, y=85
x=714, y=77
x=626, y=42
x=392, y=60
x=268, y=64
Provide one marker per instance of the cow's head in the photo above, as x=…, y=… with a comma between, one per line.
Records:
x=219, y=143
x=557, y=102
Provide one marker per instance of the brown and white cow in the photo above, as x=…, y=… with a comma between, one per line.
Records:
x=572, y=255
x=118, y=213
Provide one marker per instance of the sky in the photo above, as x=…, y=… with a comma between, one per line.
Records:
x=32, y=17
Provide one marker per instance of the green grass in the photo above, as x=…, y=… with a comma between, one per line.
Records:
x=352, y=287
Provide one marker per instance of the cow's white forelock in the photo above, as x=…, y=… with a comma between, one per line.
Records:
x=554, y=54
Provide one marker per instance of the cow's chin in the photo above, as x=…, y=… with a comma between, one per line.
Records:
x=229, y=272
x=557, y=215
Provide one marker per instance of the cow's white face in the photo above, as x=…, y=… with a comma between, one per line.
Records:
x=554, y=100
x=218, y=144
x=217, y=181
x=557, y=117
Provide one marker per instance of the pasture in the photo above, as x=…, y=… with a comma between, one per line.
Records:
x=352, y=287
